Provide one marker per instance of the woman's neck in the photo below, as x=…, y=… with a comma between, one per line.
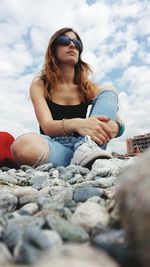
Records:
x=67, y=74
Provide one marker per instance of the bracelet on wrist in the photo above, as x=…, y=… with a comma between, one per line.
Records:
x=121, y=127
x=62, y=127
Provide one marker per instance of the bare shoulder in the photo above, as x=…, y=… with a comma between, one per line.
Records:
x=37, y=88
x=36, y=82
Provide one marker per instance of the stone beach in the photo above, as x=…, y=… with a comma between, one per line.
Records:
x=73, y=216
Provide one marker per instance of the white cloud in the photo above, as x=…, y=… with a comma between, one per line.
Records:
x=143, y=23
x=144, y=56
x=126, y=9
x=138, y=79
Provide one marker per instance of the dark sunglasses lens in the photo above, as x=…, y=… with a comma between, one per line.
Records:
x=78, y=44
x=62, y=40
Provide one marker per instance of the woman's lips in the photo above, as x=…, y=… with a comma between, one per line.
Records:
x=71, y=52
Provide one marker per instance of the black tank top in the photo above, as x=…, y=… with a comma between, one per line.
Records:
x=60, y=112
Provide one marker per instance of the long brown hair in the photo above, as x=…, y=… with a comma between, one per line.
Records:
x=50, y=72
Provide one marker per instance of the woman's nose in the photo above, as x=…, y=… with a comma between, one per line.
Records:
x=72, y=44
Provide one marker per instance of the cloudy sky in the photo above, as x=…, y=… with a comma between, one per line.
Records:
x=116, y=37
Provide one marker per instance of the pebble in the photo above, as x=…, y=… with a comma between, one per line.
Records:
x=8, y=202
x=54, y=238
x=56, y=201
x=23, y=191
x=84, y=193
x=45, y=168
x=5, y=255
x=31, y=208
x=67, y=230
x=89, y=214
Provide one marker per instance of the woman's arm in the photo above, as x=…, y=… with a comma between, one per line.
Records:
x=49, y=126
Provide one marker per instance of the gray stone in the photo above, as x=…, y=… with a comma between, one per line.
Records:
x=28, y=246
x=11, y=172
x=35, y=236
x=110, y=237
x=44, y=191
x=54, y=173
x=78, y=178
x=5, y=255
x=94, y=199
x=6, y=178
x=59, y=182
x=66, y=176
x=38, y=179
x=20, y=173
x=64, y=213
x=22, y=178
x=32, y=208
x=89, y=214
x=99, y=182
x=8, y=202
x=61, y=169
x=77, y=169
x=45, y=168
x=24, y=253
x=83, y=193
x=56, y=201
x=4, y=169
x=67, y=231
x=72, y=170
x=12, y=235
x=134, y=207
x=26, y=167
x=24, y=191
x=32, y=197
x=105, y=167
x=53, y=237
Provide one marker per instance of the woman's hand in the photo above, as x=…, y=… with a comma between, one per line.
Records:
x=96, y=127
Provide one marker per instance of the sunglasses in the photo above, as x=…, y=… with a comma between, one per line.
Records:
x=66, y=40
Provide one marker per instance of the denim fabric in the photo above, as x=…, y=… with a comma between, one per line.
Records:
x=61, y=148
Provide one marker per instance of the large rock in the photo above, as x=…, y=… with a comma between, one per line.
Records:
x=79, y=256
x=134, y=206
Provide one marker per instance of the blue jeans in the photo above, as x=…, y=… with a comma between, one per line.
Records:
x=61, y=148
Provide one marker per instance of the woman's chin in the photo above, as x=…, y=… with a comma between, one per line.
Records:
x=70, y=62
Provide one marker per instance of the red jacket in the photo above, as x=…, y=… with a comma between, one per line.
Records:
x=6, y=158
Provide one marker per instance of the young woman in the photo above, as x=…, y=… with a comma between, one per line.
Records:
x=70, y=133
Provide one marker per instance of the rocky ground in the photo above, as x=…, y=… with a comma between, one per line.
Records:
x=69, y=216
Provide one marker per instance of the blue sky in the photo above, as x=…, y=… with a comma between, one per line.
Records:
x=116, y=37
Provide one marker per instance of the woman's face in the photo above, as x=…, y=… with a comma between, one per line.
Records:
x=68, y=54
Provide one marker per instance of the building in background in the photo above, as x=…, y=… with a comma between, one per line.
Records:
x=135, y=146
x=138, y=144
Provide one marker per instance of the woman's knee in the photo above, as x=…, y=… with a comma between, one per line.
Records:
x=109, y=87
x=109, y=94
x=27, y=149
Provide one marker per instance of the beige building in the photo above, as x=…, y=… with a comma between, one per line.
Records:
x=138, y=144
